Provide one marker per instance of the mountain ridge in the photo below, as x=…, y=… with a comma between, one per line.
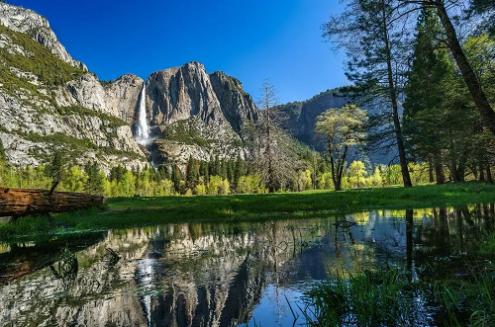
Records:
x=51, y=101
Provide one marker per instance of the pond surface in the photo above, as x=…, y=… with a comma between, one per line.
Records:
x=245, y=274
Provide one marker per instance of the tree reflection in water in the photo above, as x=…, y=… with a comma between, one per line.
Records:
x=221, y=274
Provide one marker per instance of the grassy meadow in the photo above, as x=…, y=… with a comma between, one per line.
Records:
x=143, y=211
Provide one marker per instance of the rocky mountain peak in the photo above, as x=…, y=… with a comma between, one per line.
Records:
x=53, y=105
x=37, y=27
x=182, y=93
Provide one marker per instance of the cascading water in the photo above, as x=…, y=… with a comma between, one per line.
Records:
x=142, y=128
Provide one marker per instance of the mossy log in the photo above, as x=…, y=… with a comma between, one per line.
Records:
x=21, y=202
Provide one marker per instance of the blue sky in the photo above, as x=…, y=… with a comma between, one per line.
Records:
x=252, y=40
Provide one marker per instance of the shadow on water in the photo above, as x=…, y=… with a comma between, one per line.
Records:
x=244, y=274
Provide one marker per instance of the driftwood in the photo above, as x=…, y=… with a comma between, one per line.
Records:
x=21, y=202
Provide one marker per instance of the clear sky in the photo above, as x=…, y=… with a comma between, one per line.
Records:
x=252, y=40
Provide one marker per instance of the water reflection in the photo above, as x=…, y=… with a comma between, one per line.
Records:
x=219, y=274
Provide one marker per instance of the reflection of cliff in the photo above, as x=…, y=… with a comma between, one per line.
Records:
x=181, y=275
x=95, y=296
x=208, y=278
x=209, y=274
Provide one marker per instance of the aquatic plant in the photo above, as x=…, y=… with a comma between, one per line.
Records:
x=372, y=298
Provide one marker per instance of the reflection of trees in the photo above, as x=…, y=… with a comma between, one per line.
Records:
x=23, y=259
x=214, y=274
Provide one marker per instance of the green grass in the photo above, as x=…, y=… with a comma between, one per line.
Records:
x=461, y=293
x=134, y=212
x=373, y=298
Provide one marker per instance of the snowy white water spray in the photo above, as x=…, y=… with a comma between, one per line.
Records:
x=142, y=129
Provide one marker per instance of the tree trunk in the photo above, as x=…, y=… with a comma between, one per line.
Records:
x=54, y=186
x=338, y=184
x=431, y=179
x=337, y=167
x=479, y=97
x=271, y=177
x=21, y=202
x=482, y=174
x=440, y=176
x=489, y=177
x=395, y=107
x=409, y=241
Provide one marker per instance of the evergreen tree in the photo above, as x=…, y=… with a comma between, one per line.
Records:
x=230, y=171
x=442, y=124
x=215, y=168
x=176, y=178
x=95, y=181
x=55, y=169
x=3, y=157
x=161, y=173
x=192, y=173
x=425, y=97
x=223, y=169
x=239, y=169
x=117, y=173
x=204, y=171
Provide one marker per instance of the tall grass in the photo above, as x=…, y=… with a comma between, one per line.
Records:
x=368, y=299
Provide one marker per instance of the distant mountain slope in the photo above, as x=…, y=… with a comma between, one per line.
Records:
x=298, y=119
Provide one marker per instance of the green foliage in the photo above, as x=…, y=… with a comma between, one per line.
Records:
x=111, y=121
x=95, y=180
x=357, y=175
x=368, y=299
x=218, y=186
x=251, y=184
x=142, y=211
x=441, y=123
x=55, y=169
x=192, y=173
x=186, y=132
x=49, y=69
x=343, y=128
x=3, y=156
x=73, y=145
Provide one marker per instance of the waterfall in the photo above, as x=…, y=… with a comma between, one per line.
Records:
x=142, y=128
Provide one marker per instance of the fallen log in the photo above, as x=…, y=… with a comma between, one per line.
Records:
x=20, y=202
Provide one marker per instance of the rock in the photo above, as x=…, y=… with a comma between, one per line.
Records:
x=191, y=112
x=37, y=27
x=211, y=111
x=122, y=96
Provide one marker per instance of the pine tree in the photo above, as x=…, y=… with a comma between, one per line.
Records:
x=94, y=183
x=239, y=169
x=117, y=173
x=441, y=122
x=176, y=178
x=215, y=168
x=425, y=104
x=3, y=157
x=55, y=169
x=204, y=171
x=162, y=173
x=223, y=169
x=192, y=173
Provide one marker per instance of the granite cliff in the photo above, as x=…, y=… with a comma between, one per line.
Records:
x=50, y=101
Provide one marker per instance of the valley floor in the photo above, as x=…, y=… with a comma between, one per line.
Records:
x=138, y=211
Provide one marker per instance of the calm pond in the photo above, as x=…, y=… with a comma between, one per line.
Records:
x=245, y=274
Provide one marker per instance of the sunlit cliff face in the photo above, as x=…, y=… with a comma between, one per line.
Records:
x=202, y=274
